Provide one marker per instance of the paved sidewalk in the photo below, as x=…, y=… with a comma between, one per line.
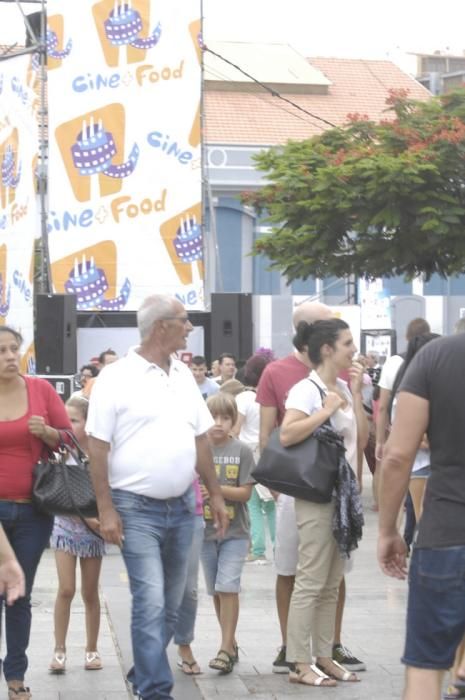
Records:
x=373, y=629
x=76, y=683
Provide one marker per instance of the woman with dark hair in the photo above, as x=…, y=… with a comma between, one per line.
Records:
x=311, y=403
x=261, y=505
x=421, y=466
x=31, y=415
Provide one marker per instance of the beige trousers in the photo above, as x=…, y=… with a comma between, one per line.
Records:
x=310, y=627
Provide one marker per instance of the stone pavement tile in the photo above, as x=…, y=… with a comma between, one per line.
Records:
x=76, y=683
x=373, y=629
x=218, y=684
x=96, y=695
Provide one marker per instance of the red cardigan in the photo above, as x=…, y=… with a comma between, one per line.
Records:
x=17, y=463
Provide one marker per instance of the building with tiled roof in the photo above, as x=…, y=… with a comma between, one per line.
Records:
x=243, y=114
x=440, y=71
x=253, y=116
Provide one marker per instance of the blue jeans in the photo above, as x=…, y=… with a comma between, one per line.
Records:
x=260, y=512
x=436, y=607
x=28, y=533
x=157, y=540
x=184, y=632
x=222, y=563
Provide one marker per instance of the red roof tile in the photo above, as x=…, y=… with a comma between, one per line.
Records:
x=239, y=117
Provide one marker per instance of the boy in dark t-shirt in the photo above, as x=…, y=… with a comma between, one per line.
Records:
x=223, y=559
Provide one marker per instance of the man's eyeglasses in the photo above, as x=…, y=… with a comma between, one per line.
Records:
x=183, y=319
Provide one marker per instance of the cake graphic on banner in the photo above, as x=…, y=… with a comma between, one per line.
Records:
x=10, y=167
x=58, y=46
x=183, y=239
x=124, y=30
x=90, y=274
x=124, y=26
x=95, y=149
x=92, y=147
x=52, y=46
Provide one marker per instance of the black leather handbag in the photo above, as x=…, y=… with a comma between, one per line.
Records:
x=307, y=470
x=64, y=489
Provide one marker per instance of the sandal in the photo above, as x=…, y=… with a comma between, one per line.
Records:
x=187, y=667
x=345, y=676
x=93, y=661
x=313, y=677
x=58, y=663
x=222, y=662
x=452, y=693
x=236, y=653
x=22, y=693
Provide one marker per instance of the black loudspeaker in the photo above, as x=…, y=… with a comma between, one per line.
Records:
x=35, y=22
x=231, y=325
x=55, y=336
x=63, y=385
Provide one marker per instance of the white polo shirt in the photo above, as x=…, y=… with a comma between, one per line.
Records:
x=389, y=372
x=151, y=420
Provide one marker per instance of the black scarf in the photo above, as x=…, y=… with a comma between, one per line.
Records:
x=348, y=518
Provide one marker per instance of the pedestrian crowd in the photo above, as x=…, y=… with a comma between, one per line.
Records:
x=172, y=452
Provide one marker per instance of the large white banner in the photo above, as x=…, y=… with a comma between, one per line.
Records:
x=18, y=212
x=125, y=155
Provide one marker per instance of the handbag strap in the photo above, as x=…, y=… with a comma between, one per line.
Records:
x=75, y=506
x=82, y=455
x=323, y=395
x=72, y=437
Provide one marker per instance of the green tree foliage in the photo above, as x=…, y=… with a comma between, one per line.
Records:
x=371, y=199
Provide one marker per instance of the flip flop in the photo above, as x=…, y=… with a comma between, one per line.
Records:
x=450, y=695
x=188, y=667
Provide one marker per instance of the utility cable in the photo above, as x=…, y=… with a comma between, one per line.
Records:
x=272, y=92
x=217, y=74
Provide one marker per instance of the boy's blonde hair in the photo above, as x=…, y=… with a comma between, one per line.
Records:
x=223, y=404
x=79, y=402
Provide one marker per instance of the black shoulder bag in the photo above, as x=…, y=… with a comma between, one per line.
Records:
x=65, y=489
x=307, y=470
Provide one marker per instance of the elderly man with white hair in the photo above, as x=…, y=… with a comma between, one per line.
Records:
x=147, y=428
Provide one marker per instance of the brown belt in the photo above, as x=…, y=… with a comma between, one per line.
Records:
x=15, y=500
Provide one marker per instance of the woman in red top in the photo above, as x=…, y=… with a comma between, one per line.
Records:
x=30, y=413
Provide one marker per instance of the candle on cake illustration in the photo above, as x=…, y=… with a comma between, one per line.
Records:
x=89, y=283
x=11, y=175
x=94, y=150
x=124, y=25
x=184, y=242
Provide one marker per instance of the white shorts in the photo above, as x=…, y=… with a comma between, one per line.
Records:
x=287, y=539
x=286, y=547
